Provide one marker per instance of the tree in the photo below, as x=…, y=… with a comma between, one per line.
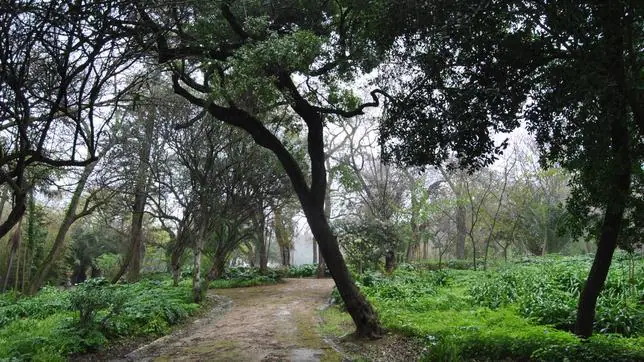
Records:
x=570, y=70
x=58, y=61
x=71, y=215
x=238, y=64
x=143, y=133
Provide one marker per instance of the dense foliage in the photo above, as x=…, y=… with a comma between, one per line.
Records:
x=246, y=277
x=302, y=271
x=546, y=291
x=57, y=323
x=236, y=277
x=521, y=311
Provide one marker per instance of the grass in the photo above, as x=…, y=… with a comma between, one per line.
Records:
x=55, y=324
x=494, y=315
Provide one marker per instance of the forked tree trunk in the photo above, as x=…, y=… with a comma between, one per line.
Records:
x=132, y=261
x=59, y=242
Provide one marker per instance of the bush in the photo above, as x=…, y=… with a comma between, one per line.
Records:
x=247, y=277
x=92, y=296
x=47, y=302
x=302, y=271
x=54, y=324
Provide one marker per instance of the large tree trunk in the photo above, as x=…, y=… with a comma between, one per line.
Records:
x=615, y=107
x=390, y=261
x=285, y=252
x=315, y=251
x=59, y=242
x=197, y=287
x=261, y=245
x=282, y=237
x=132, y=261
x=321, y=271
x=175, y=259
x=361, y=312
x=14, y=245
x=218, y=267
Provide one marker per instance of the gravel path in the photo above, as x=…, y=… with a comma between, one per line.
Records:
x=266, y=323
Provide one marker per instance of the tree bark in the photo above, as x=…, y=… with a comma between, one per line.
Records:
x=461, y=230
x=59, y=242
x=197, y=287
x=261, y=244
x=390, y=261
x=218, y=267
x=132, y=261
x=361, y=312
x=4, y=197
x=175, y=258
x=615, y=107
x=15, y=244
x=286, y=255
x=321, y=270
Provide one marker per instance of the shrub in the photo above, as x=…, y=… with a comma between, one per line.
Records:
x=54, y=324
x=237, y=277
x=92, y=296
x=302, y=271
x=47, y=302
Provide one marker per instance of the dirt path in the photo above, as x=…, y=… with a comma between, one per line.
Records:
x=267, y=323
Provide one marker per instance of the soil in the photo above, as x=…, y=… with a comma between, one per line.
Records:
x=268, y=323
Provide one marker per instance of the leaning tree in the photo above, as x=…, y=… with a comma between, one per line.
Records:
x=243, y=61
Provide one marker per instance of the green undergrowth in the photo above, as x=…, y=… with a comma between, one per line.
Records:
x=519, y=312
x=302, y=271
x=55, y=324
x=239, y=277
